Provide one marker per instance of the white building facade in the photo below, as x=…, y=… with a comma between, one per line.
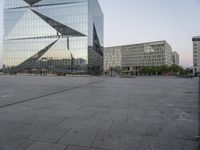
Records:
x=112, y=58
x=196, y=55
x=175, y=58
x=133, y=57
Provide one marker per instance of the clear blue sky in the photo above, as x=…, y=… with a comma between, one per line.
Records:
x=133, y=21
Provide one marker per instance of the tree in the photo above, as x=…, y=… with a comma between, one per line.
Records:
x=174, y=68
x=144, y=70
x=181, y=71
x=154, y=70
x=164, y=69
x=189, y=71
x=158, y=70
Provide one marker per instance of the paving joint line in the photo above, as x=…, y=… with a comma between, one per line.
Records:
x=63, y=135
x=41, y=141
x=150, y=146
x=66, y=147
x=66, y=118
x=93, y=147
x=93, y=141
x=50, y=94
x=111, y=125
x=28, y=146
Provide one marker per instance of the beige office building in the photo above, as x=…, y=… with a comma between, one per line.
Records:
x=133, y=57
x=196, y=55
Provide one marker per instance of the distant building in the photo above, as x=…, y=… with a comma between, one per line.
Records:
x=175, y=58
x=132, y=58
x=196, y=55
x=112, y=57
x=53, y=36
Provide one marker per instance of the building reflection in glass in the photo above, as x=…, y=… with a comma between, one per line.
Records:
x=52, y=36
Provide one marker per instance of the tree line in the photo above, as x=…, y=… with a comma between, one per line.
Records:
x=165, y=69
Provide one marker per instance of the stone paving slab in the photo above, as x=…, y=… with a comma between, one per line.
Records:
x=98, y=113
x=20, y=88
x=107, y=140
x=46, y=146
x=74, y=147
x=163, y=143
x=14, y=144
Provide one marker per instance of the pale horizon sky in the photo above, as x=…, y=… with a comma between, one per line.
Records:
x=137, y=21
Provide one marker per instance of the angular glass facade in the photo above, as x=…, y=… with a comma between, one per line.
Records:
x=53, y=36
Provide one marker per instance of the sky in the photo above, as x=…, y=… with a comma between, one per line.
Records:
x=137, y=21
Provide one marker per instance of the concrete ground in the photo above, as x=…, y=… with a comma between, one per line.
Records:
x=90, y=113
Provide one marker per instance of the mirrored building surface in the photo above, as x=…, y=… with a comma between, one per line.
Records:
x=53, y=36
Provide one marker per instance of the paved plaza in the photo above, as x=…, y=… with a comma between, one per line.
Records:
x=91, y=113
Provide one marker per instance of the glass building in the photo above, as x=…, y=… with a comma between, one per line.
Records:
x=53, y=36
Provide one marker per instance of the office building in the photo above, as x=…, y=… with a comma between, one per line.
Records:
x=196, y=55
x=175, y=58
x=53, y=36
x=132, y=58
